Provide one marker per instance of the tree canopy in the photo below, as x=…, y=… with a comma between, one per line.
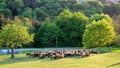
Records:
x=48, y=35
x=99, y=33
x=13, y=35
x=73, y=26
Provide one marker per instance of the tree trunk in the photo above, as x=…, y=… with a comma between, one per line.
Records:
x=56, y=41
x=12, y=52
x=48, y=42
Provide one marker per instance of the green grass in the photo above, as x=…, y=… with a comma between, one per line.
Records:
x=104, y=60
x=107, y=49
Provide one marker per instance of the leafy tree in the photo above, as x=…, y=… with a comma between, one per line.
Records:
x=47, y=35
x=6, y=12
x=24, y=22
x=98, y=17
x=15, y=6
x=91, y=11
x=40, y=14
x=73, y=25
x=40, y=9
x=2, y=4
x=13, y=35
x=92, y=7
x=99, y=33
x=27, y=12
x=4, y=21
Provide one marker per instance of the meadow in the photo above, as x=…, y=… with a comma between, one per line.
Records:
x=103, y=60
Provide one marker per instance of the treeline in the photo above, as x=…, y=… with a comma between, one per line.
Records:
x=40, y=9
x=85, y=24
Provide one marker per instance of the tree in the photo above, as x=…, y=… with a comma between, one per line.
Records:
x=13, y=35
x=73, y=26
x=2, y=4
x=24, y=22
x=15, y=6
x=99, y=33
x=47, y=35
x=98, y=17
x=27, y=12
x=6, y=12
x=4, y=21
x=40, y=14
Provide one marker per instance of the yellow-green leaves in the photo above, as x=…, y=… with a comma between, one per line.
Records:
x=99, y=33
x=14, y=35
x=98, y=17
x=64, y=16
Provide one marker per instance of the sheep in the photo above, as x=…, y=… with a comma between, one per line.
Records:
x=56, y=54
x=29, y=54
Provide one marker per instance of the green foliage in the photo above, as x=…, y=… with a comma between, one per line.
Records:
x=97, y=34
x=66, y=14
x=14, y=35
x=4, y=21
x=15, y=6
x=40, y=9
x=40, y=14
x=73, y=26
x=2, y=5
x=91, y=11
x=6, y=12
x=48, y=35
x=24, y=22
x=92, y=7
x=98, y=17
x=27, y=12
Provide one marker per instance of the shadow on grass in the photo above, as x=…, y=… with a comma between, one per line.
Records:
x=17, y=60
x=46, y=59
x=27, y=59
x=50, y=60
x=114, y=65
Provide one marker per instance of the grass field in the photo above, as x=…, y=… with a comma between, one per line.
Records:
x=104, y=60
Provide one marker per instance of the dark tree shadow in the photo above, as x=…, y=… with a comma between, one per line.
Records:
x=114, y=64
x=17, y=60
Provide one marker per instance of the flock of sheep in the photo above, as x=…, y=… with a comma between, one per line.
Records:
x=56, y=54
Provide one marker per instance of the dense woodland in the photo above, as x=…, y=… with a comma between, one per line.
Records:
x=59, y=23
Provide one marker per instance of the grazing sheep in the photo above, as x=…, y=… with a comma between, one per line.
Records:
x=29, y=54
x=41, y=55
x=94, y=52
x=56, y=54
x=36, y=54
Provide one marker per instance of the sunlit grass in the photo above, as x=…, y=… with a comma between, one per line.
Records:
x=106, y=60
